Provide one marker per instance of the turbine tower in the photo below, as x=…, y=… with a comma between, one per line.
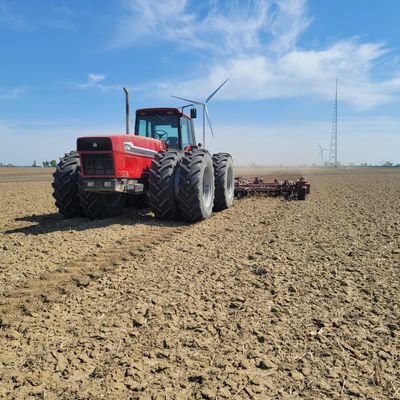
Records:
x=333, y=162
x=321, y=153
x=205, y=109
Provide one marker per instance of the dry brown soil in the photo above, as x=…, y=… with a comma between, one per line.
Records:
x=267, y=300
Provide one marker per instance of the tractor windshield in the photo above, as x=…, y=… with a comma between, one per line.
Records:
x=159, y=126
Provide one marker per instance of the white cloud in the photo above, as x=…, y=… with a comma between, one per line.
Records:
x=287, y=23
x=300, y=73
x=233, y=31
x=95, y=80
x=219, y=27
x=255, y=42
x=144, y=18
x=238, y=26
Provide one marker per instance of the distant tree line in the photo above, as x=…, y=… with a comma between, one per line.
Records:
x=45, y=164
x=385, y=164
x=49, y=164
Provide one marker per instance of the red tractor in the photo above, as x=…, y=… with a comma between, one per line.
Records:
x=160, y=163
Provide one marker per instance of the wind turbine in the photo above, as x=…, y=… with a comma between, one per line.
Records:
x=205, y=109
x=321, y=153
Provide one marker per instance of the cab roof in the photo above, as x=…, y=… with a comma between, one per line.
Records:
x=160, y=110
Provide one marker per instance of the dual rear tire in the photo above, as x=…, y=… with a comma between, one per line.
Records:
x=196, y=185
x=190, y=186
x=162, y=185
x=224, y=181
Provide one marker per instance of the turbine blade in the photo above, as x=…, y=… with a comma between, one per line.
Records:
x=319, y=146
x=216, y=90
x=208, y=119
x=188, y=100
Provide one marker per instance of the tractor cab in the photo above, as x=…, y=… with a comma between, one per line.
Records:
x=167, y=124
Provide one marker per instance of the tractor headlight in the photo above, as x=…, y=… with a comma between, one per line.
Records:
x=107, y=184
x=90, y=184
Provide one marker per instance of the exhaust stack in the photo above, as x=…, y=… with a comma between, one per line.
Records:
x=127, y=111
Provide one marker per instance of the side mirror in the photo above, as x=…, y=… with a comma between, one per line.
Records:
x=193, y=113
x=199, y=145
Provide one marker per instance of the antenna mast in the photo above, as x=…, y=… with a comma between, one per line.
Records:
x=333, y=162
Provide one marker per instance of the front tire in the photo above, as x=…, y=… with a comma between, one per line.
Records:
x=224, y=181
x=162, y=185
x=65, y=185
x=196, y=185
x=100, y=205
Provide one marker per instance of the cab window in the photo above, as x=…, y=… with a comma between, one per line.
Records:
x=144, y=128
x=186, y=132
x=158, y=126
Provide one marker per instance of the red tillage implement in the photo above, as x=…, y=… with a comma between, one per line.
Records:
x=298, y=189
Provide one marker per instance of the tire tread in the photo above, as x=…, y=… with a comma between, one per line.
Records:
x=65, y=185
x=190, y=183
x=161, y=193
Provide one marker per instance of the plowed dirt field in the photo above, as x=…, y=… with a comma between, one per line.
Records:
x=270, y=299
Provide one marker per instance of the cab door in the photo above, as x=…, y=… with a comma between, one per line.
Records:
x=187, y=133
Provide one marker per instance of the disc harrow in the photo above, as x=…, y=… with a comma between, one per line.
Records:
x=290, y=190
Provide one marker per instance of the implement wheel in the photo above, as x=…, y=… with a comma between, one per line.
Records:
x=301, y=193
x=65, y=185
x=196, y=185
x=163, y=185
x=224, y=181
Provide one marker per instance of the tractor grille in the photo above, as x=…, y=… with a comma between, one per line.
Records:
x=94, y=143
x=97, y=164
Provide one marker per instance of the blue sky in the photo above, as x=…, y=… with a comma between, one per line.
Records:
x=63, y=65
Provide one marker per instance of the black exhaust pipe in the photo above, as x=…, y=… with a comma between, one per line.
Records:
x=127, y=112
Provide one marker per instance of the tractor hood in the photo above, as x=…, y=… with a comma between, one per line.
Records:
x=130, y=155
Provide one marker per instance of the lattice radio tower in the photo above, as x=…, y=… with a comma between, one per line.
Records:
x=333, y=147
